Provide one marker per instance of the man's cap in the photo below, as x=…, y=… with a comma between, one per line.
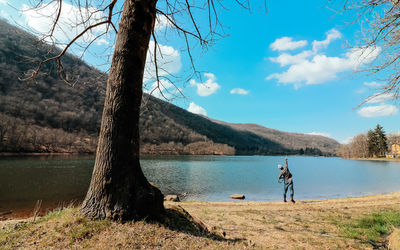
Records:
x=280, y=166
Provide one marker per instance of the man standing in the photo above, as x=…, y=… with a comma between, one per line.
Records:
x=287, y=179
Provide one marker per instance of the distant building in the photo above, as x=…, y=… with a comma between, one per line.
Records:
x=396, y=149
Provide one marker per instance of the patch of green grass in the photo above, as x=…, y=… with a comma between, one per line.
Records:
x=8, y=238
x=371, y=227
x=83, y=228
x=323, y=231
x=53, y=215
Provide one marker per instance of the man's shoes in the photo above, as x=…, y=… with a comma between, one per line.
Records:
x=291, y=199
x=284, y=200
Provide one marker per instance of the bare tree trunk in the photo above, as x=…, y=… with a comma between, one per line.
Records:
x=118, y=188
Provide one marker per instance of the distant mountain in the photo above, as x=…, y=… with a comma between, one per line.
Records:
x=166, y=123
x=48, y=115
x=296, y=141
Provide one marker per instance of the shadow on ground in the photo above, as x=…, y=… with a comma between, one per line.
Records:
x=178, y=219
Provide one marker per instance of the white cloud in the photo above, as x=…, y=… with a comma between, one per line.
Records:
x=168, y=61
x=168, y=58
x=315, y=67
x=69, y=25
x=5, y=2
x=163, y=89
x=162, y=22
x=372, y=84
x=196, y=109
x=287, y=43
x=287, y=59
x=239, y=91
x=102, y=41
x=207, y=88
x=331, y=35
x=379, y=98
x=320, y=68
x=347, y=140
x=320, y=133
x=378, y=110
x=361, y=91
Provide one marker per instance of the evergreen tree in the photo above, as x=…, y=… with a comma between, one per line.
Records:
x=381, y=141
x=372, y=139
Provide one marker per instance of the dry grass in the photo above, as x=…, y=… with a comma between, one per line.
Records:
x=260, y=225
x=66, y=229
x=394, y=239
x=304, y=225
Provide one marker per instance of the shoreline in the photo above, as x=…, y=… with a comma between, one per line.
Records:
x=311, y=224
x=374, y=159
x=20, y=213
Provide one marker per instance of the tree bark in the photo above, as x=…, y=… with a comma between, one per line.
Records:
x=118, y=189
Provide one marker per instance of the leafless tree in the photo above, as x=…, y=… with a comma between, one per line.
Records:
x=119, y=189
x=344, y=151
x=359, y=146
x=380, y=22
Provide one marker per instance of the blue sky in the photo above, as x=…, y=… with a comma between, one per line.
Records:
x=289, y=69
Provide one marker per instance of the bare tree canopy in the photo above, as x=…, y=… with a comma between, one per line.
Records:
x=76, y=25
x=380, y=30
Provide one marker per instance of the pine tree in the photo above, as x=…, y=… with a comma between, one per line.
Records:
x=372, y=139
x=381, y=143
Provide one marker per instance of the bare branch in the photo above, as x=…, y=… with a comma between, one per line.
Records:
x=58, y=57
x=181, y=29
x=193, y=21
x=382, y=20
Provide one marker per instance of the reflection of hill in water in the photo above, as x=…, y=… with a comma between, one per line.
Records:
x=49, y=116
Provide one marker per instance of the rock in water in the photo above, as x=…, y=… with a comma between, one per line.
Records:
x=172, y=197
x=238, y=196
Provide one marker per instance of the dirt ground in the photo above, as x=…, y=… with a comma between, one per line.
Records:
x=303, y=225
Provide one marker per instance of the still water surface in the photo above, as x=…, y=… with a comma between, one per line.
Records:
x=24, y=180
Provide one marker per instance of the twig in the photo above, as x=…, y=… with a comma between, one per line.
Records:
x=36, y=209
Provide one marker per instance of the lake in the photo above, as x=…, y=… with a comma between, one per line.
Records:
x=56, y=180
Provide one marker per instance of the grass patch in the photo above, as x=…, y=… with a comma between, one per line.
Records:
x=83, y=228
x=11, y=235
x=52, y=215
x=371, y=227
x=67, y=222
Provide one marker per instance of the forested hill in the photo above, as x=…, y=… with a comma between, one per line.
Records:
x=305, y=143
x=48, y=115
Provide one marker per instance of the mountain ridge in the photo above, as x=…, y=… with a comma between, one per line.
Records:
x=278, y=136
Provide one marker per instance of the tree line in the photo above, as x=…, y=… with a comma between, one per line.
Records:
x=374, y=143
